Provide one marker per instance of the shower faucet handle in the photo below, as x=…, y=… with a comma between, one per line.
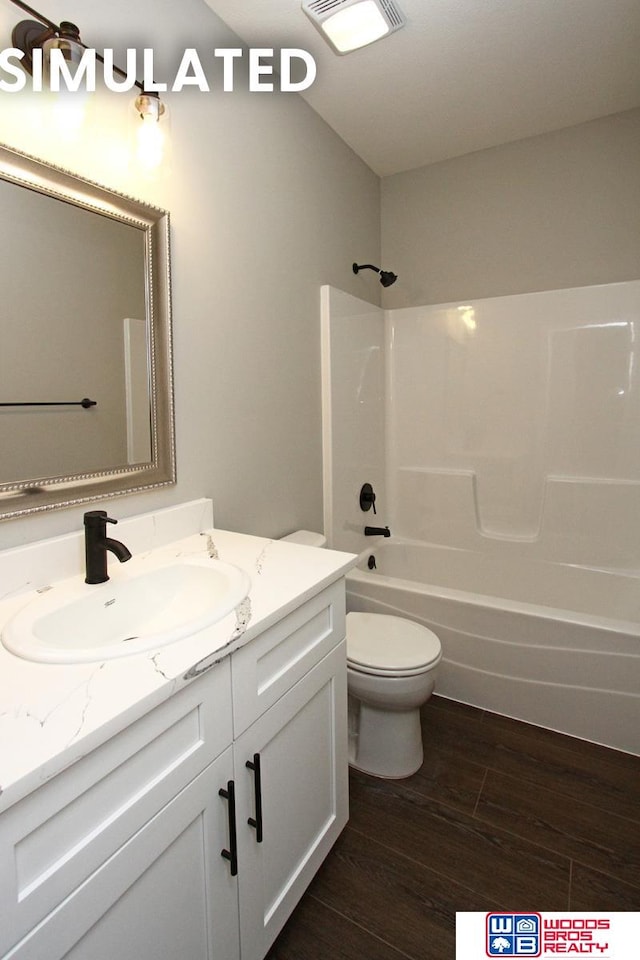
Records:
x=367, y=498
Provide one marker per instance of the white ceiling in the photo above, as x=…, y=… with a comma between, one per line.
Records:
x=463, y=74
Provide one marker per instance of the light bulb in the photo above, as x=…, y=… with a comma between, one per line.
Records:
x=150, y=132
x=68, y=105
x=150, y=143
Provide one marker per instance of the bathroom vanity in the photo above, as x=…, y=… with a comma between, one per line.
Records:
x=203, y=784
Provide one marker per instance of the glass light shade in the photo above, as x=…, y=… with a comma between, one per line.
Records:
x=68, y=107
x=151, y=130
x=355, y=26
x=68, y=42
x=71, y=51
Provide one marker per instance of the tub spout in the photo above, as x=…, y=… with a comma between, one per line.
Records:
x=377, y=532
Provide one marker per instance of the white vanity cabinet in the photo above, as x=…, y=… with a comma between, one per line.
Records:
x=130, y=852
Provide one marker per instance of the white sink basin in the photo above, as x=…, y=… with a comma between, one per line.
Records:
x=140, y=608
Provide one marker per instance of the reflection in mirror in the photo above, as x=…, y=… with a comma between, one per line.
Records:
x=85, y=317
x=69, y=325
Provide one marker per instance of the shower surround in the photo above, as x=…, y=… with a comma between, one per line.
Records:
x=502, y=437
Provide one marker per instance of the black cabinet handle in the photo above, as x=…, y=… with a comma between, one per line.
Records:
x=257, y=783
x=232, y=854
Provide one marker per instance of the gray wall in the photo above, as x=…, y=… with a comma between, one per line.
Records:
x=558, y=210
x=267, y=204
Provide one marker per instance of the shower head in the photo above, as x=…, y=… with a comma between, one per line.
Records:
x=386, y=277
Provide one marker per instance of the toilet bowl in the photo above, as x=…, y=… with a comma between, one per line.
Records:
x=391, y=669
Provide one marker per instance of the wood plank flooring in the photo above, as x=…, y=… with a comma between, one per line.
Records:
x=501, y=816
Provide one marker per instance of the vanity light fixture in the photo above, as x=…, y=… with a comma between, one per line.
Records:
x=151, y=128
x=350, y=24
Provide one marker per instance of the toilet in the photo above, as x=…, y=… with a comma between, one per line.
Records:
x=391, y=667
x=391, y=670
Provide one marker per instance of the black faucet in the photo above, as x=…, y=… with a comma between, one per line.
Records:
x=377, y=532
x=96, y=544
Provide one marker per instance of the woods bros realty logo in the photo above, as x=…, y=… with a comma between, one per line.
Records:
x=614, y=936
x=513, y=934
x=267, y=69
x=529, y=935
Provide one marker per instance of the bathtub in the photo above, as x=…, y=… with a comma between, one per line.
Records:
x=553, y=644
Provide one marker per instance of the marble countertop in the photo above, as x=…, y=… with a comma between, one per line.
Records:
x=51, y=715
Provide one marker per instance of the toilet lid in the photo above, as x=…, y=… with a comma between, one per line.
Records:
x=380, y=643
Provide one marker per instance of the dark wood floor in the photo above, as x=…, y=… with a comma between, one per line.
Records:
x=502, y=816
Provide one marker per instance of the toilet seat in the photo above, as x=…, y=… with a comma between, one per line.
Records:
x=390, y=646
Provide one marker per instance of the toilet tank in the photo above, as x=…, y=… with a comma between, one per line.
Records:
x=306, y=538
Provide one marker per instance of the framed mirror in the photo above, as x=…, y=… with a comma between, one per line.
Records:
x=86, y=383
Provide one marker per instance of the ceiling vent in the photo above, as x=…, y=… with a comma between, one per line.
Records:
x=350, y=24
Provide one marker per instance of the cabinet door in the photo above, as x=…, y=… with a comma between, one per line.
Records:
x=167, y=893
x=57, y=837
x=301, y=743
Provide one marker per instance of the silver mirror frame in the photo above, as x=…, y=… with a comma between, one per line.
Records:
x=46, y=493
